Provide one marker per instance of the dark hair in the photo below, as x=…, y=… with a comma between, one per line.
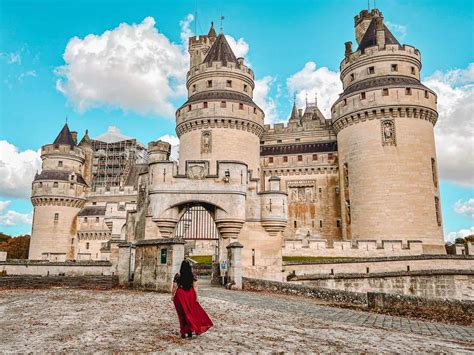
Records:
x=186, y=276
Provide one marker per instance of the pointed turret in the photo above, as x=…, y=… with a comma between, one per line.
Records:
x=220, y=52
x=212, y=31
x=65, y=137
x=85, y=141
x=294, y=113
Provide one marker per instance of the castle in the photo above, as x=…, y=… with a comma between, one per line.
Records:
x=362, y=183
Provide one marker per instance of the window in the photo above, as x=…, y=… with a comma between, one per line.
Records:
x=223, y=104
x=413, y=70
x=241, y=106
x=338, y=224
x=315, y=157
x=209, y=83
x=205, y=104
x=427, y=95
x=87, y=245
x=384, y=92
x=330, y=156
x=408, y=91
x=97, y=220
x=72, y=240
x=300, y=158
x=352, y=77
x=371, y=70
x=294, y=224
x=279, y=141
x=285, y=159
x=85, y=219
x=94, y=203
x=194, y=88
x=345, y=102
x=71, y=185
x=189, y=107
x=253, y=257
x=434, y=173
x=362, y=95
x=394, y=67
x=40, y=184
x=228, y=83
x=254, y=110
x=320, y=189
x=245, y=88
x=320, y=223
x=56, y=217
x=297, y=139
x=270, y=160
x=60, y=163
x=438, y=213
x=55, y=184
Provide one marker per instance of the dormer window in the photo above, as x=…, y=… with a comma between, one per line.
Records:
x=371, y=70
x=228, y=83
x=209, y=83
x=394, y=67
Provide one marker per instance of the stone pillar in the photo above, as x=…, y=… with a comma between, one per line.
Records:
x=114, y=254
x=156, y=263
x=124, y=263
x=234, y=272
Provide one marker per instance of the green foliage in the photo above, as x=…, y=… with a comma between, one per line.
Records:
x=4, y=237
x=16, y=247
x=202, y=259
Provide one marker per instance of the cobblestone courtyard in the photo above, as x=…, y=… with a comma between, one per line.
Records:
x=56, y=320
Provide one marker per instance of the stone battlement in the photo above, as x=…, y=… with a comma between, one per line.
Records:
x=60, y=149
x=230, y=68
x=355, y=248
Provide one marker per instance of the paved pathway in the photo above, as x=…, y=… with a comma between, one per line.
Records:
x=56, y=320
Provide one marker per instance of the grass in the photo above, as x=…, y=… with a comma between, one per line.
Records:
x=312, y=258
x=202, y=259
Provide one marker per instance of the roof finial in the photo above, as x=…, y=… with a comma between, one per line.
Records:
x=306, y=99
x=222, y=27
x=294, y=98
x=66, y=119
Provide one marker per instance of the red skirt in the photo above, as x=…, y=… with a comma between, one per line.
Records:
x=192, y=318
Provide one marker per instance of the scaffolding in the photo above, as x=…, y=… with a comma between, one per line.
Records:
x=112, y=162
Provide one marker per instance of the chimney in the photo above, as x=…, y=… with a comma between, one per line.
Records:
x=348, y=49
x=380, y=36
x=74, y=136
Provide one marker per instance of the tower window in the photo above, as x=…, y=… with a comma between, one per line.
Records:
x=194, y=88
x=362, y=95
x=55, y=184
x=352, y=77
x=345, y=102
x=279, y=141
x=384, y=92
x=56, y=217
x=408, y=91
x=228, y=83
x=209, y=83
x=315, y=157
x=320, y=223
x=285, y=159
x=97, y=220
x=85, y=219
x=330, y=156
x=254, y=110
x=294, y=224
x=60, y=163
x=245, y=88
x=300, y=158
x=71, y=185
x=270, y=160
x=87, y=245
x=94, y=203
x=394, y=67
x=205, y=104
x=223, y=104
x=40, y=184
x=338, y=223
x=427, y=95
x=189, y=107
x=371, y=70
x=297, y=139
x=241, y=106
x=413, y=70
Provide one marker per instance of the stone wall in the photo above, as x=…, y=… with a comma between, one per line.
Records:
x=351, y=249
x=32, y=281
x=304, y=290
x=379, y=265
x=444, y=284
x=46, y=268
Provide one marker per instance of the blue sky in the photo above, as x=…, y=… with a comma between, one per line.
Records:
x=282, y=36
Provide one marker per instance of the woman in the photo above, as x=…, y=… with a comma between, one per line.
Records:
x=192, y=318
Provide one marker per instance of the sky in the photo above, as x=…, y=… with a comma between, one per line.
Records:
x=120, y=63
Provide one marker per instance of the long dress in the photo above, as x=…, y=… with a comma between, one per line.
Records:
x=192, y=318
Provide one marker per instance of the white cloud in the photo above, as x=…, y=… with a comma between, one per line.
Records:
x=455, y=127
x=31, y=73
x=459, y=234
x=11, y=58
x=12, y=218
x=186, y=31
x=400, y=31
x=17, y=170
x=313, y=81
x=174, y=141
x=131, y=67
x=465, y=208
x=262, y=98
x=239, y=46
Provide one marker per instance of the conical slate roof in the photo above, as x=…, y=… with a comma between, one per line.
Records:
x=220, y=52
x=212, y=31
x=294, y=113
x=370, y=37
x=65, y=137
x=85, y=140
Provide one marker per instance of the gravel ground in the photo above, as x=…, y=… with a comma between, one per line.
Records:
x=64, y=320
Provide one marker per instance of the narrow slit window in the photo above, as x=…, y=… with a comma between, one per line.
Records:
x=209, y=83
x=362, y=95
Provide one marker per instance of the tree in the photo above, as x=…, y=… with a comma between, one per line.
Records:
x=16, y=247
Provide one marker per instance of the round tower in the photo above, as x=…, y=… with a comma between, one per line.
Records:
x=58, y=195
x=384, y=122
x=219, y=121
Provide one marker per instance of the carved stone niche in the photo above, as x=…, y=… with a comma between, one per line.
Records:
x=197, y=170
x=206, y=142
x=387, y=128
x=301, y=190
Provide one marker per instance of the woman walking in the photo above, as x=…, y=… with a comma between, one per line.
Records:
x=192, y=318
